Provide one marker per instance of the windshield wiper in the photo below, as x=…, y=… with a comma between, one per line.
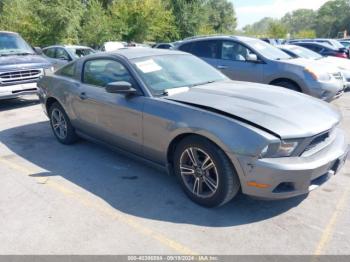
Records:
x=203, y=83
x=23, y=53
x=14, y=53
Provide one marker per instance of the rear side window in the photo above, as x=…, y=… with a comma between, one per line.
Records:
x=206, y=49
x=50, y=52
x=186, y=48
x=68, y=70
x=100, y=72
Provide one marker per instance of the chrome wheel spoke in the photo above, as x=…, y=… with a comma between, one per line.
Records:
x=187, y=170
x=197, y=186
x=198, y=172
x=192, y=156
x=211, y=184
x=59, y=123
x=207, y=164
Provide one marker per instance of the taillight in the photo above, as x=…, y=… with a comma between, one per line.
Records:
x=341, y=55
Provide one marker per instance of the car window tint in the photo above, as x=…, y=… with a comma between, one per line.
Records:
x=50, y=52
x=101, y=72
x=234, y=51
x=80, y=52
x=62, y=54
x=186, y=47
x=67, y=71
x=206, y=49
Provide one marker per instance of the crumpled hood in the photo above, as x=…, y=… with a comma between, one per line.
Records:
x=15, y=62
x=286, y=113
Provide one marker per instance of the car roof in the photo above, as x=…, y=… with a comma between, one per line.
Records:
x=218, y=37
x=132, y=52
x=316, y=44
x=67, y=46
x=287, y=46
x=8, y=32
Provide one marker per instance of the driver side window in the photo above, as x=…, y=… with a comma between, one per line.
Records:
x=62, y=54
x=234, y=51
x=101, y=72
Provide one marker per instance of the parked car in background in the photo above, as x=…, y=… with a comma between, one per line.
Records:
x=253, y=60
x=301, y=52
x=322, y=49
x=112, y=46
x=164, y=45
x=60, y=55
x=215, y=134
x=335, y=45
x=271, y=41
x=345, y=43
x=20, y=66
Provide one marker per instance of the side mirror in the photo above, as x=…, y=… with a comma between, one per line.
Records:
x=121, y=87
x=252, y=58
x=38, y=50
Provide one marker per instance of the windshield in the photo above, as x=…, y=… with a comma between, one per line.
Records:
x=268, y=50
x=345, y=44
x=12, y=44
x=304, y=52
x=336, y=43
x=80, y=52
x=174, y=71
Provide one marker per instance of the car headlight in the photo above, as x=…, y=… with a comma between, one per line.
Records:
x=316, y=76
x=283, y=149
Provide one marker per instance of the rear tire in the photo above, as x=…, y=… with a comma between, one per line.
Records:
x=289, y=85
x=211, y=181
x=61, y=125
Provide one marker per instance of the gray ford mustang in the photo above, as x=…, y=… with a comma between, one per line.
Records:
x=215, y=134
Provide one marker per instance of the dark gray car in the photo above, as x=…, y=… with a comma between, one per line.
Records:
x=215, y=134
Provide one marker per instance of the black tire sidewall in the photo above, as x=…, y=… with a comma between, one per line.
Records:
x=228, y=180
x=288, y=85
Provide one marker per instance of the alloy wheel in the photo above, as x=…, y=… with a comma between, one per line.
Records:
x=198, y=172
x=59, y=123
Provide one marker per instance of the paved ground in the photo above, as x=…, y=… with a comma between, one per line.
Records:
x=85, y=199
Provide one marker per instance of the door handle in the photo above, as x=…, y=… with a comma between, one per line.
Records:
x=83, y=96
x=222, y=67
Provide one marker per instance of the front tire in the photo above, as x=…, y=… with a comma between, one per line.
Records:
x=61, y=125
x=289, y=85
x=206, y=174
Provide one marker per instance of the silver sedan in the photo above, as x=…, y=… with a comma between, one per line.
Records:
x=215, y=134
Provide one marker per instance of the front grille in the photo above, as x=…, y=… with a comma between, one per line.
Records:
x=317, y=140
x=338, y=76
x=22, y=76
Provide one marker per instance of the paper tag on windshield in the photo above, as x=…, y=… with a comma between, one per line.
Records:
x=148, y=66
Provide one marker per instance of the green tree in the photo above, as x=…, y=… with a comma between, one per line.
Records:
x=95, y=26
x=308, y=33
x=60, y=21
x=221, y=16
x=260, y=28
x=332, y=18
x=277, y=30
x=142, y=20
x=24, y=21
x=190, y=16
x=299, y=20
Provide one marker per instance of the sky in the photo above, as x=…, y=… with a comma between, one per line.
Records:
x=250, y=11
